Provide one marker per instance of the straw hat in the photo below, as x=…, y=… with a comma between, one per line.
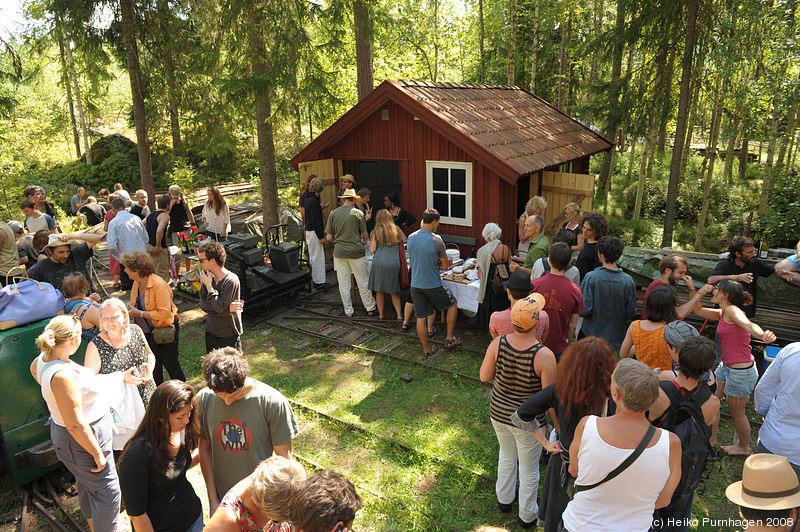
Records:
x=349, y=194
x=768, y=483
x=348, y=177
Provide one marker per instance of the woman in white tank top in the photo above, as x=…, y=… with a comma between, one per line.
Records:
x=626, y=502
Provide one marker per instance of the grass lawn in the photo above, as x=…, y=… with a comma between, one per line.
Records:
x=437, y=416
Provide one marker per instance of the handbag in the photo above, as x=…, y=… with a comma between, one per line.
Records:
x=573, y=488
x=28, y=301
x=405, y=280
x=500, y=275
x=164, y=335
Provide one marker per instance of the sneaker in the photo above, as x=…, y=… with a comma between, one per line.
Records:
x=505, y=508
x=320, y=286
x=526, y=524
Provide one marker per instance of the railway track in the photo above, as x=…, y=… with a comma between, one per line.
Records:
x=34, y=501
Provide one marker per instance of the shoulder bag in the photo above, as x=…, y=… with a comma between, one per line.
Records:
x=573, y=488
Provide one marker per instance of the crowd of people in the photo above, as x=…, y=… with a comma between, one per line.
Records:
x=557, y=332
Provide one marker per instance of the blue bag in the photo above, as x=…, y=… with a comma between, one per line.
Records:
x=26, y=301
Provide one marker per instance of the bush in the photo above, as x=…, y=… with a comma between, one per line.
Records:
x=638, y=233
x=783, y=220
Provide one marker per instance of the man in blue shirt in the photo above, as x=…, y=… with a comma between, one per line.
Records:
x=609, y=295
x=776, y=397
x=126, y=234
x=427, y=253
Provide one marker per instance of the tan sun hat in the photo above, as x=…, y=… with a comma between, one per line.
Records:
x=768, y=483
x=349, y=194
x=348, y=177
x=53, y=241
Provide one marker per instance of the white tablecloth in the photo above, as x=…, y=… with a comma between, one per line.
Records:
x=466, y=294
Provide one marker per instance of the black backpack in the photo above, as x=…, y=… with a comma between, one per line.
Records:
x=546, y=265
x=685, y=418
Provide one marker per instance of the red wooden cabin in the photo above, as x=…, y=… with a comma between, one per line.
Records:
x=476, y=153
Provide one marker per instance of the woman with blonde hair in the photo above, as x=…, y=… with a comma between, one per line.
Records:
x=153, y=465
x=216, y=216
x=572, y=217
x=121, y=346
x=491, y=256
x=80, y=421
x=384, y=277
x=261, y=500
x=535, y=207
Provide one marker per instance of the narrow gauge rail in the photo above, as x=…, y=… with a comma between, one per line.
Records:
x=349, y=325
x=34, y=501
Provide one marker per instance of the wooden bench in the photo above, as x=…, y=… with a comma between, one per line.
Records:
x=461, y=241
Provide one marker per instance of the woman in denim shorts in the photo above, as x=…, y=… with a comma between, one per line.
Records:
x=737, y=374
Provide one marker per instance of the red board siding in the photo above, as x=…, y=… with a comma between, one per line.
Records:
x=412, y=142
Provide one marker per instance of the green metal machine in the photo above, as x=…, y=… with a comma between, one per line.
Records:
x=27, y=452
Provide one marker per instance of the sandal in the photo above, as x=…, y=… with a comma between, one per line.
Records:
x=428, y=354
x=116, y=286
x=371, y=313
x=405, y=328
x=452, y=343
x=432, y=332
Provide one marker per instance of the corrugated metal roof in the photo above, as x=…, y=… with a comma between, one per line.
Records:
x=516, y=126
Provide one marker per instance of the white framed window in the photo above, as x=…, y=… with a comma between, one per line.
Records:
x=449, y=186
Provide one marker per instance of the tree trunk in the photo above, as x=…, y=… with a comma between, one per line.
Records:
x=564, y=63
x=74, y=77
x=666, y=100
x=791, y=125
x=67, y=85
x=512, y=41
x=535, y=51
x=483, y=38
x=267, y=170
x=631, y=158
x=773, y=139
x=598, y=28
x=174, y=114
x=613, y=122
x=296, y=124
x=363, y=31
x=728, y=169
x=744, y=153
x=792, y=155
x=637, y=208
x=711, y=155
x=139, y=116
x=680, y=124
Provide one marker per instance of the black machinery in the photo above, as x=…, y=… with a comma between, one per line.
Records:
x=266, y=276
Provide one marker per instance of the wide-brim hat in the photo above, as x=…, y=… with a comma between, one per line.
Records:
x=768, y=483
x=525, y=313
x=519, y=280
x=349, y=194
x=53, y=241
x=348, y=177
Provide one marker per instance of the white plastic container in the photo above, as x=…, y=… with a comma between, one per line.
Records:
x=452, y=256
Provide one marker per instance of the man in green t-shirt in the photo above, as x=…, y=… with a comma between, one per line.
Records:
x=538, y=247
x=347, y=229
x=242, y=422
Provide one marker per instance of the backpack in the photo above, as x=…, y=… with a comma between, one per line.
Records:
x=546, y=266
x=685, y=419
x=501, y=273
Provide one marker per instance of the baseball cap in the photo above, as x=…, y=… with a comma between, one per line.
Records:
x=525, y=314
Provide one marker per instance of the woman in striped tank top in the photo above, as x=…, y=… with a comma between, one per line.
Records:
x=520, y=366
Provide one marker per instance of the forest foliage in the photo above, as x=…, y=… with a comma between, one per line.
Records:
x=231, y=90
